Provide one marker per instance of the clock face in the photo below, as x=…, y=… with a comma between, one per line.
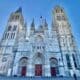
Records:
x=4, y=59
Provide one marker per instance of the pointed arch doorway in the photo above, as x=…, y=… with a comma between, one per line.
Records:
x=53, y=67
x=38, y=64
x=23, y=66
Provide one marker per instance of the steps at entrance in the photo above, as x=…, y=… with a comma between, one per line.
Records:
x=38, y=78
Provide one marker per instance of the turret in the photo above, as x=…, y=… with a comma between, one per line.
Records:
x=32, y=29
x=45, y=25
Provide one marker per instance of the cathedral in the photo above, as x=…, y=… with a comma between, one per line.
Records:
x=45, y=50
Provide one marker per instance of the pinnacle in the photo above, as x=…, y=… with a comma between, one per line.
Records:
x=19, y=10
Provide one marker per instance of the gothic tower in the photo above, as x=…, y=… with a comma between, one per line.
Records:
x=67, y=45
x=15, y=32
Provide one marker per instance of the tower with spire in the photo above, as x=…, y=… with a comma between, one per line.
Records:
x=15, y=32
x=66, y=41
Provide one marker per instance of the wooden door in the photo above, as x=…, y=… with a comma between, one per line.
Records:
x=23, y=72
x=53, y=71
x=38, y=70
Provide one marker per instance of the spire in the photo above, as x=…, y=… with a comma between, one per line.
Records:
x=25, y=25
x=33, y=25
x=19, y=10
x=45, y=24
x=41, y=20
x=40, y=27
x=52, y=26
x=32, y=29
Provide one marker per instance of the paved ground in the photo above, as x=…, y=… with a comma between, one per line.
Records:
x=37, y=78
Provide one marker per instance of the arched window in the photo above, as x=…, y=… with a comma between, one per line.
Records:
x=57, y=10
x=9, y=28
x=23, y=66
x=17, y=17
x=59, y=18
x=53, y=66
x=62, y=11
x=12, y=35
x=75, y=59
x=63, y=18
x=6, y=36
x=15, y=27
x=68, y=61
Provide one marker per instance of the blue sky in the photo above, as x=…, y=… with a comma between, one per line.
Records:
x=36, y=8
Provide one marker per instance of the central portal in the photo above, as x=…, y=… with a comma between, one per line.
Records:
x=38, y=70
x=23, y=72
x=38, y=64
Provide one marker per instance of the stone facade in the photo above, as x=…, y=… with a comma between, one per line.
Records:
x=42, y=52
